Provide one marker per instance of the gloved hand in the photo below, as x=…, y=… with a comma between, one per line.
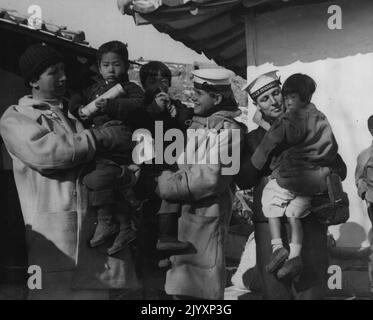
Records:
x=101, y=104
x=113, y=138
x=75, y=103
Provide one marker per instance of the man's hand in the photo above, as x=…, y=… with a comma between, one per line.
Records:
x=165, y=175
x=113, y=138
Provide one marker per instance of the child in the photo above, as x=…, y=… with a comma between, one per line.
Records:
x=364, y=174
x=302, y=146
x=156, y=80
x=111, y=171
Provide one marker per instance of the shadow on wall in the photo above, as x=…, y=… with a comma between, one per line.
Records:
x=307, y=37
x=12, y=89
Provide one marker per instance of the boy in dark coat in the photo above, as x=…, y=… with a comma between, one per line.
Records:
x=156, y=80
x=114, y=172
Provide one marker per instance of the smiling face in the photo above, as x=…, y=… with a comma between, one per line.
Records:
x=112, y=67
x=270, y=103
x=51, y=83
x=204, y=102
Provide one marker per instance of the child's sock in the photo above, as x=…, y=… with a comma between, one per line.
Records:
x=295, y=250
x=276, y=244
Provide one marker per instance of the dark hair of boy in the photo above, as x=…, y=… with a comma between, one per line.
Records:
x=153, y=68
x=117, y=47
x=301, y=84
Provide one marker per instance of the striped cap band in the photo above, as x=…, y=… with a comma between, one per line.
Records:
x=267, y=87
x=209, y=87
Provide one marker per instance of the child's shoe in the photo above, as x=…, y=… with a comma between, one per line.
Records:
x=106, y=229
x=126, y=234
x=278, y=257
x=122, y=240
x=172, y=245
x=291, y=268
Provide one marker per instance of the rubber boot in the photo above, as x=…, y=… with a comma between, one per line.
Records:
x=168, y=229
x=106, y=228
x=125, y=236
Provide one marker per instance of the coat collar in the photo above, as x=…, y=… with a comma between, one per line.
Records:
x=258, y=119
x=212, y=120
x=43, y=104
x=53, y=109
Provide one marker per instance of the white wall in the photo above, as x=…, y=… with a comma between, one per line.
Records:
x=341, y=62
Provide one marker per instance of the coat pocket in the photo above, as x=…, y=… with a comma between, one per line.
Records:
x=52, y=240
x=203, y=232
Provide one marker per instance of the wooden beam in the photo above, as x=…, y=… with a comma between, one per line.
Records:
x=251, y=38
x=254, y=3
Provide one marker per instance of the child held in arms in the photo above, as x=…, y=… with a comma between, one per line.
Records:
x=302, y=146
x=156, y=78
x=112, y=176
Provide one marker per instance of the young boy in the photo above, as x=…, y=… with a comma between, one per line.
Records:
x=302, y=145
x=112, y=172
x=364, y=174
x=155, y=78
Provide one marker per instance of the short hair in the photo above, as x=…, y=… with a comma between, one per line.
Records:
x=301, y=84
x=117, y=47
x=152, y=68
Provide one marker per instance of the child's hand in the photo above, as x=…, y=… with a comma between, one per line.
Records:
x=125, y=6
x=135, y=170
x=162, y=100
x=82, y=115
x=101, y=104
x=172, y=110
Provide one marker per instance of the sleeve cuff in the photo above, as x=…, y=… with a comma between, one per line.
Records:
x=174, y=187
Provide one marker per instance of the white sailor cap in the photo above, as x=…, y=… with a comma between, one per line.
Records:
x=263, y=83
x=212, y=79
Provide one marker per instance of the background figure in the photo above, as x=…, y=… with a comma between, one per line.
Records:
x=364, y=174
x=364, y=184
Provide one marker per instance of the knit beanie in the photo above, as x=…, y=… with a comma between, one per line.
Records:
x=36, y=59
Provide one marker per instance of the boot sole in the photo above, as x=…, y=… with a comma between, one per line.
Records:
x=167, y=247
x=123, y=246
x=273, y=267
x=103, y=241
x=281, y=274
